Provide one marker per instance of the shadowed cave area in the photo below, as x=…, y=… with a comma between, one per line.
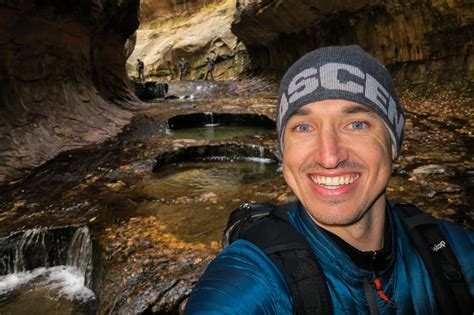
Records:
x=62, y=78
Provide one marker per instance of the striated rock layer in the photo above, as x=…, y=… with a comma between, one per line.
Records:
x=152, y=11
x=420, y=41
x=192, y=29
x=63, y=82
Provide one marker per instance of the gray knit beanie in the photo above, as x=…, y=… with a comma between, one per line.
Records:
x=341, y=72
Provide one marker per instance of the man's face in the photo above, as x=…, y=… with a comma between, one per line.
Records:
x=337, y=160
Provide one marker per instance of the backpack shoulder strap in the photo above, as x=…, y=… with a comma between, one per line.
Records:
x=451, y=290
x=286, y=247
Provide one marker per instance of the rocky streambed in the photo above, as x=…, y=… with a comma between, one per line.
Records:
x=155, y=201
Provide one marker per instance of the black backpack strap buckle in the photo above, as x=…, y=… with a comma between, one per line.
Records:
x=243, y=218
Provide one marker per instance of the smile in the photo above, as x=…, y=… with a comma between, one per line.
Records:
x=334, y=182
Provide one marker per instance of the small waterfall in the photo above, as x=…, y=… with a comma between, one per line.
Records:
x=79, y=254
x=42, y=247
x=210, y=120
x=258, y=151
x=259, y=154
x=31, y=251
x=167, y=127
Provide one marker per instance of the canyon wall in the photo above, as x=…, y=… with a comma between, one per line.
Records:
x=420, y=41
x=189, y=29
x=152, y=11
x=63, y=82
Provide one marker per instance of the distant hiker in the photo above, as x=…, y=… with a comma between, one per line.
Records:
x=183, y=68
x=210, y=68
x=140, y=70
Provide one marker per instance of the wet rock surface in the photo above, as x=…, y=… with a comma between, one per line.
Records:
x=146, y=264
x=154, y=244
x=436, y=162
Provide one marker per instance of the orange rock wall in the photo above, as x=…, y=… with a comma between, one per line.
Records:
x=158, y=11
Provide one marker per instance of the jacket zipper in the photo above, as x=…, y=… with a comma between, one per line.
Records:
x=373, y=308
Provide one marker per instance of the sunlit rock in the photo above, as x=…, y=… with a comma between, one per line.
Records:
x=190, y=29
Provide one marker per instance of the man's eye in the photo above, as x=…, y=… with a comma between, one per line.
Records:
x=357, y=125
x=303, y=128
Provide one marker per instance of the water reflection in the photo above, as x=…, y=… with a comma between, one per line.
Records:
x=193, y=199
x=220, y=177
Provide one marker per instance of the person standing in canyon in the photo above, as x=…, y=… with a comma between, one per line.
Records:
x=183, y=68
x=342, y=248
x=141, y=71
x=210, y=68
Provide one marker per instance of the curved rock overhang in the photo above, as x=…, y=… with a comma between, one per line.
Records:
x=225, y=152
x=420, y=42
x=201, y=119
x=63, y=82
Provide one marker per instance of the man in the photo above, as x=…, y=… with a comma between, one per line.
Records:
x=141, y=70
x=210, y=68
x=340, y=126
x=183, y=68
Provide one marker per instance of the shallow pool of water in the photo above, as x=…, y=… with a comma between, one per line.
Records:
x=220, y=177
x=194, y=199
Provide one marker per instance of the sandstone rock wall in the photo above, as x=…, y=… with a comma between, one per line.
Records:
x=62, y=77
x=192, y=29
x=153, y=12
x=420, y=41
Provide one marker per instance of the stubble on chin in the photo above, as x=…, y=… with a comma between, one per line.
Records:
x=337, y=219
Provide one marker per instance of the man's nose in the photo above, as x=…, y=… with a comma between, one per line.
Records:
x=330, y=149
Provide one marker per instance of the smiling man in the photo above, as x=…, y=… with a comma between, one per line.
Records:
x=342, y=248
x=338, y=162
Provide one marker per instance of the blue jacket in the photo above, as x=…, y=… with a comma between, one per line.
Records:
x=243, y=279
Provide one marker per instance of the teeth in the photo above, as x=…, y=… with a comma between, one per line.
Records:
x=335, y=181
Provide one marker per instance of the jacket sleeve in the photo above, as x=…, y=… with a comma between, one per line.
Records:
x=462, y=242
x=240, y=280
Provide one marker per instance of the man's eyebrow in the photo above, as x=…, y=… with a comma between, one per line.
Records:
x=353, y=109
x=300, y=112
x=359, y=109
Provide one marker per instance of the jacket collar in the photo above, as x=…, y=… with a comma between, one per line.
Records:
x=335, y=255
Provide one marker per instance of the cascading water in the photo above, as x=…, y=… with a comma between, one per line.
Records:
x=210, y=120
x=79, y=254
x=32, y=244
x=259, y=154
x=58, y=259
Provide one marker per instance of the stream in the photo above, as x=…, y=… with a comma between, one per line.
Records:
x=128, y=226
